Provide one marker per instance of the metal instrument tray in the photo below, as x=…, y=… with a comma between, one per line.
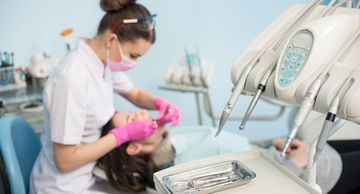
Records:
x=210, y=178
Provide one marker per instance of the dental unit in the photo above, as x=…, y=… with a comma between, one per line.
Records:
x=308, y=71
x=310, y=96
x=257, y=59
x=262, y=85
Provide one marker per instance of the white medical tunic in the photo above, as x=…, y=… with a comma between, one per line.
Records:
x=78, y=101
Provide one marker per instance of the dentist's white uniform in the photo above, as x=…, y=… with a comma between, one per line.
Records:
x=78, y=101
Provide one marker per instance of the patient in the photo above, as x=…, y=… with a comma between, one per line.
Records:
x=131, y=166
x=329, y=163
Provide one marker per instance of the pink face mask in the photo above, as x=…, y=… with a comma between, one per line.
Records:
x=124, y=64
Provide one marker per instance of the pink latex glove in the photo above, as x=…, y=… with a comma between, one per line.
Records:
x=137, y=130
x=169, y=112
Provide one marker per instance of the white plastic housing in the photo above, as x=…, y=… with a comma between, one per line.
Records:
x=349, y=101
x=329, y=34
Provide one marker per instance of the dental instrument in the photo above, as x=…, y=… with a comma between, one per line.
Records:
x=259, y=91
x=211, y=178
x=310, y=96
x=265, y=78
x=331, y=115
x=241, y=82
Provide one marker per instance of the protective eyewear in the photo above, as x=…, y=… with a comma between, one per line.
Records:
x=146, y=23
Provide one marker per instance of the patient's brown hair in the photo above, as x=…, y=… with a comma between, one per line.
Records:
x=126, y=172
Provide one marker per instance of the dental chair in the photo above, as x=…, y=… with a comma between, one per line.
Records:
x=19, y=147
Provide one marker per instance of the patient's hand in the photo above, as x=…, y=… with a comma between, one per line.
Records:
x=297, y=151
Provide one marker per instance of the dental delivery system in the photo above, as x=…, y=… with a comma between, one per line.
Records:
x=309, y=99
x=296, y=58
x=262, y=85
x=241, y=81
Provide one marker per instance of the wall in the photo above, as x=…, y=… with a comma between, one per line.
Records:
x=220, y=29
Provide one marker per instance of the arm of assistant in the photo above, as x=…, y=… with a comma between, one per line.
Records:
x=140, y=98
x=169, y=112
x=70, y=157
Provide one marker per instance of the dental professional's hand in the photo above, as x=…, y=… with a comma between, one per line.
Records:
x=169, y=112
x=279, y=144
x=137, y=130
x=297, y=151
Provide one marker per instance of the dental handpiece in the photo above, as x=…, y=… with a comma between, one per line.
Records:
x=233, y=98
x=305, y=108
x=259, y=91
x=326, y=128
x=330, y=117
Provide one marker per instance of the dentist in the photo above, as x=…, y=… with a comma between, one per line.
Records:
x=78, y=101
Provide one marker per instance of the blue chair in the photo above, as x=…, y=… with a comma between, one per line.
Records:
x=19, y=146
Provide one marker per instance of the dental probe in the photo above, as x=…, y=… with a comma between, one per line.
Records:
x=240, y=84
x=309, y=98
x=331, y=115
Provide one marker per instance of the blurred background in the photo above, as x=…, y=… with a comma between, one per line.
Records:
x=221, y=30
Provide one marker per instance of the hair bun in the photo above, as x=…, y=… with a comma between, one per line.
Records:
x=115, y=5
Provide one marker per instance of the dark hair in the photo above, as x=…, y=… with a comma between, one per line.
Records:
x=125, y=172
x=125, y=9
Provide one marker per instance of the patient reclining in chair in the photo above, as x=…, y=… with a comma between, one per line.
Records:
x=131, y=166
